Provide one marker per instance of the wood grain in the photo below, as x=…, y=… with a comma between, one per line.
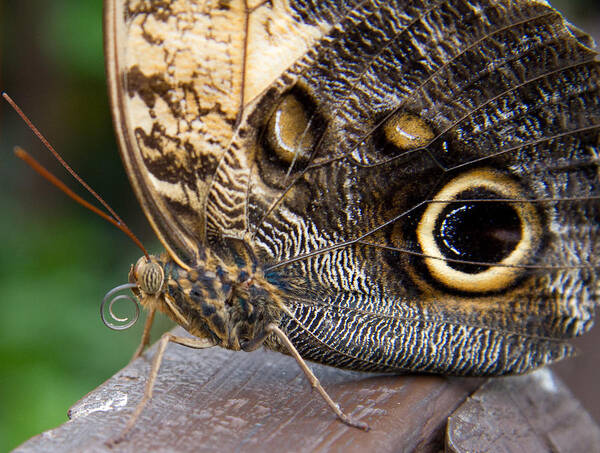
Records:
x=531, y=413
x=218, y=400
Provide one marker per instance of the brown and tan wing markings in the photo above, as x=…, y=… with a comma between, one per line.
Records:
x=325, y=160
x=501, y=84
x=487, y=150
x=176, y=83
x=358, y=193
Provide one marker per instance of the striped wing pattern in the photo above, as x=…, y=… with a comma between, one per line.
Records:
x=504, y=87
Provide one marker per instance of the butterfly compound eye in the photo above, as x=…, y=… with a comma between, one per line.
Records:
x=149, y=275
x=479, y=232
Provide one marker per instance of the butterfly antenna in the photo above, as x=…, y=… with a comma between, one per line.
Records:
x=113, y=218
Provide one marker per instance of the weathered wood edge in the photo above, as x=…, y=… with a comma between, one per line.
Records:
x=219, y=400
x=531, y=413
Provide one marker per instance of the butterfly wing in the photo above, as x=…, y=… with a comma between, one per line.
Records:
x=417, y=176
x=177, y=87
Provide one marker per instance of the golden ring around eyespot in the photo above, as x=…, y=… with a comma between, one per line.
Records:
x=494, y=278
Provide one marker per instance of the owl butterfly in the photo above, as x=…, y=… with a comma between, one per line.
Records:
x=393, y=186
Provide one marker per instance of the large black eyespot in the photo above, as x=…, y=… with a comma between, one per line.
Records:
x=477, y=231
x=474, y=238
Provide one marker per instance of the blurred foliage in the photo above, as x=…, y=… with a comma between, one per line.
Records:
x=57, y=259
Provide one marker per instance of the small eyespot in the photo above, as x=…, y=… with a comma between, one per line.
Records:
x=473, y=243
x=407, y=131
x=289, y=131
x=149, y=275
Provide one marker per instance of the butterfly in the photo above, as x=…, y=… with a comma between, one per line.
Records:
x=405, y=186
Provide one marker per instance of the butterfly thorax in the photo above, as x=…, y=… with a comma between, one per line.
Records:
x=228, y=303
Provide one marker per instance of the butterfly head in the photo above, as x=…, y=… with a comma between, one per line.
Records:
x=151, y=289
x=149, y=275
x=228, y=302
x=147, y=282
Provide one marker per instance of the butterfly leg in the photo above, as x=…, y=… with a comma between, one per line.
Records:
x=196, y=343
x=314, y=382
x=145, y=335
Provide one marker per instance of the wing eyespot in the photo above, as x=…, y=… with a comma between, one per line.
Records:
x=289, y=133
x=407, y=131
x=395, y=135
x=473, y=243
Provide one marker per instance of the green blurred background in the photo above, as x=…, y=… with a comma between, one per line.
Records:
x=56, y=259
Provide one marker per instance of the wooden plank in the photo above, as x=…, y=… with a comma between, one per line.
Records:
x=218, y=400
x=531, y=413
